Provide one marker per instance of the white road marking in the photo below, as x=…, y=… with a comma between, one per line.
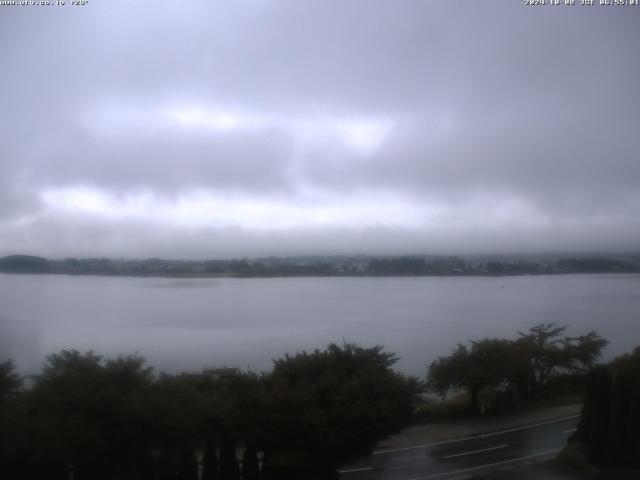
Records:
x=354, y=470
x=485, y=435
x=571, y=430
x=476, y=451
x=488, y=465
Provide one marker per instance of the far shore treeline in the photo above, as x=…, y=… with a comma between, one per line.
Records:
x=418, y=265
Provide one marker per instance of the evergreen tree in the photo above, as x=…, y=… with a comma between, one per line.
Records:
x=210, y=459
x=188, y=463
x=595, y=419
x=167, y=465
x=250, y=464
x=609, y=428
x=229, y=468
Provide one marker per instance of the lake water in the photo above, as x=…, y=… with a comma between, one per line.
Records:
x=187, y=324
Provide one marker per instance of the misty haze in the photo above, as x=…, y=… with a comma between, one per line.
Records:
x=319, y=239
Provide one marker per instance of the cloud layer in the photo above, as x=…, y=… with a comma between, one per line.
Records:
x=274, y=127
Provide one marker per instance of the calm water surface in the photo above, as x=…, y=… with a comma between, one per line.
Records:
x=189, y=324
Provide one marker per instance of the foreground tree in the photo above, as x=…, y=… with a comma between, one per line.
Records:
x=328, y=407
x=525, y=364
x=89, y=417
x=486, y=363
x=609, y=429
x=176, y=410
x=10, y=381
x=11, y=419
x=250, y=464
x=229, y=468
x=549, y=353
x=209, y=459
x=94, y=419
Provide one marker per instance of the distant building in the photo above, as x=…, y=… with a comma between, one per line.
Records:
x=215, y=373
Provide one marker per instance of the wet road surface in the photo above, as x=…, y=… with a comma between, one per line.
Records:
x=503, y=451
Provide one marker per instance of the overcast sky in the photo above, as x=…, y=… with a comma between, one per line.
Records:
x=214, y=129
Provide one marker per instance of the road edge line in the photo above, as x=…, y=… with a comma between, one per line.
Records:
x=473, y=437
x=488, y=465
x=472, y=452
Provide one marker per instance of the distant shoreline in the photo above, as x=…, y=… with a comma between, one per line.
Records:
x=311, y=275
x=330, y=266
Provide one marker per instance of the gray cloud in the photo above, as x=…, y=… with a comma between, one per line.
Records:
x=494, y=125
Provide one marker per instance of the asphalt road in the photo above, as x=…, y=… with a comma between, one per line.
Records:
x=514, y=448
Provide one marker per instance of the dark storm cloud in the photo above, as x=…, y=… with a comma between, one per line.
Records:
x=262, y=126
